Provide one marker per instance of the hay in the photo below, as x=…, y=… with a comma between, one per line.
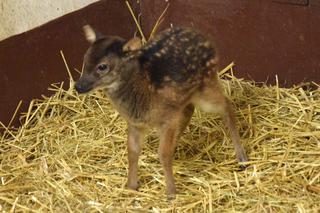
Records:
x=70, y=156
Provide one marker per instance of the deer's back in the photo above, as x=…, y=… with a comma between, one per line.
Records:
x=177, y=56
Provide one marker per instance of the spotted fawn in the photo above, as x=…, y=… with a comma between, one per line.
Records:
x=157, y=85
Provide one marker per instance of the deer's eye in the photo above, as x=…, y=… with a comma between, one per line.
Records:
x=102, y=68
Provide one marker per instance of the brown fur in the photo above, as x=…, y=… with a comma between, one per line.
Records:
x=157, y=86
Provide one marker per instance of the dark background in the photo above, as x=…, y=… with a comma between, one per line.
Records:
x=263, y=37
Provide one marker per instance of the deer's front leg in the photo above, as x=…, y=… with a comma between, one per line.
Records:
x=168, y=138
x=135, y=138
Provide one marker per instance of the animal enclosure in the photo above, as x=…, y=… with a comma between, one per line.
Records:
x=69, y=154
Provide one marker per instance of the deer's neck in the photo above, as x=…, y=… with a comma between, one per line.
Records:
x=132, y=96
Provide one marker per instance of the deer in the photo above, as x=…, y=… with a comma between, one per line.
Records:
x=157, y=85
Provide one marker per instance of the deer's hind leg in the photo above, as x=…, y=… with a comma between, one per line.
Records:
x=212, y=99
x=186, y=117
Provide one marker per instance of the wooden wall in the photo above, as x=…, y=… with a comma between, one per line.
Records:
x=264, y=38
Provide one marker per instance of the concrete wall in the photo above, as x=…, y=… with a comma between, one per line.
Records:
x=17, y=16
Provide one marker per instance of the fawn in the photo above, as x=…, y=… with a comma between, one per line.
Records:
x=157, y=85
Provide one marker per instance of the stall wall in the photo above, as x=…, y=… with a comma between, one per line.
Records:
x=264, y=38
x=18, y=16
x=31, y=61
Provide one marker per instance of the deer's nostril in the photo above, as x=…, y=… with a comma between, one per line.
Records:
x=82, y=87
x=78, y=86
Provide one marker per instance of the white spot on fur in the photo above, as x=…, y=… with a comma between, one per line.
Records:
x=166, y=78
x=158, y=54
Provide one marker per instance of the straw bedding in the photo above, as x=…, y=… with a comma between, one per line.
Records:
x=70, y=156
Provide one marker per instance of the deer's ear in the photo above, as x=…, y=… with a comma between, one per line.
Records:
x=131, y=45
x=91, y=34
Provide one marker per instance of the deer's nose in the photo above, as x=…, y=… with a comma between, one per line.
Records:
x=83, y=86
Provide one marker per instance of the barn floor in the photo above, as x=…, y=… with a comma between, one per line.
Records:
x=70, y=156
